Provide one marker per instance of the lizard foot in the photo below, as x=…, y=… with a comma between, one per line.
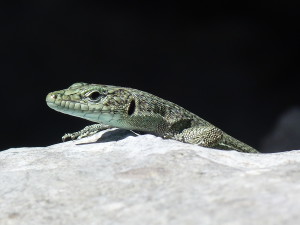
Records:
x=204, y=136
x=85, y=132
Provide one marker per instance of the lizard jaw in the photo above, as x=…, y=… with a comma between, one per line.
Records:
x=75, y=109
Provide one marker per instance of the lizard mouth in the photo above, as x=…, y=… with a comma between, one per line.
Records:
x=50, y=99
x=66, y=106
x=76, y=109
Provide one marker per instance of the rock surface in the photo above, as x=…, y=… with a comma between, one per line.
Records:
x=115, y=178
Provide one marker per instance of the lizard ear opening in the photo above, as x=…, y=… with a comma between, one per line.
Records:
x=131, y=108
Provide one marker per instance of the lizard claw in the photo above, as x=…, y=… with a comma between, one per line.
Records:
x=70, y=136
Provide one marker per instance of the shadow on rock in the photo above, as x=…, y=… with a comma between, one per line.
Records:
x=114, y=135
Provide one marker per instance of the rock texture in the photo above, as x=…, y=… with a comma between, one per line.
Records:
x=115, y=178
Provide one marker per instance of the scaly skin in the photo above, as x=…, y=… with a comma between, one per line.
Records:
x=131, y=109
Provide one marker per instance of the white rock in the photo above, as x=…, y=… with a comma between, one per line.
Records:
x=146, y=180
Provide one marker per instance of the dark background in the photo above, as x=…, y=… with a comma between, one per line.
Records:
x=234, y=64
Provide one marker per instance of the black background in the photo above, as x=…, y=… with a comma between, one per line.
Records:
x=234, y=64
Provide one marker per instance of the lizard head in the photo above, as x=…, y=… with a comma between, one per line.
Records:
x=98, y=103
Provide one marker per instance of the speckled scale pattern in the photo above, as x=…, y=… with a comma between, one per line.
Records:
x=132, y=109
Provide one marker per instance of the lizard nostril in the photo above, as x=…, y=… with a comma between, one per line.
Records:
x=54, y=96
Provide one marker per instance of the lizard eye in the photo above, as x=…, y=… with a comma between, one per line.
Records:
x=94, y=96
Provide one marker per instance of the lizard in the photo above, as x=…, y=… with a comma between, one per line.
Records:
x=131, y=109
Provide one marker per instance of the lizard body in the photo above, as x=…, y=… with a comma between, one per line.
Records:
x=132, y=109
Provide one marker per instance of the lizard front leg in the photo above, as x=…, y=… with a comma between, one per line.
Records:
x=206, y=136
x=85, y=132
